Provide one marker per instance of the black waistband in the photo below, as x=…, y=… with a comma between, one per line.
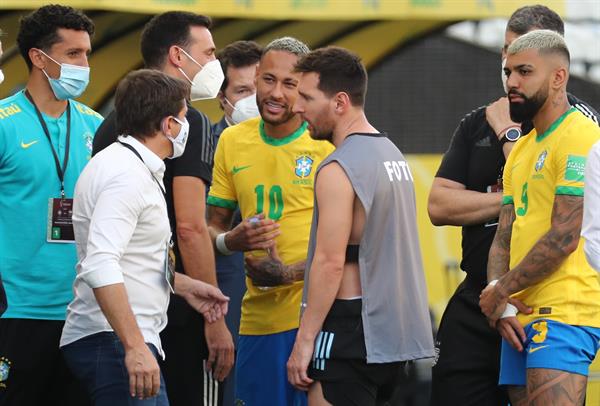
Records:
x=352, y=253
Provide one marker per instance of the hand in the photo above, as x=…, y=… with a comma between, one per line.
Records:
x=143, y=370
x=206, y=300
x=512, y=331
x=497, y=115
x=220, y=349
x=297, y=365
x=268, y=271
x=493, y=302
x=248, y=236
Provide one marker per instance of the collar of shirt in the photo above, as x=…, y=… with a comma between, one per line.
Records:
x=151, y=160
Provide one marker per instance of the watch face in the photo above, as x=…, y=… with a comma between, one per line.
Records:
x=513, y=134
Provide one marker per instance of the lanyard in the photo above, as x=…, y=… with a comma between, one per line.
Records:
x=59, y=170
x=129, y=147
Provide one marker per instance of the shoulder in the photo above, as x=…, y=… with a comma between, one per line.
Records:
x=86, y=112
x=11, y=108
x=247, y=128
x=194, y=116
x=584, y=108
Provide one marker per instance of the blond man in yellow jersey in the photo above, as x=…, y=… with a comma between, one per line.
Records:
x=537, y=256
x=266, y=166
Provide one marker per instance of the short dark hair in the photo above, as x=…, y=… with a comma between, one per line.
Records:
x=238, y=54
x=39, y=29
x=165, y=30
x=538, y=17
x=339, y=71
x=144, y=97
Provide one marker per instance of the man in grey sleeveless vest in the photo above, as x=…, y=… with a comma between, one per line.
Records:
x=365, y=301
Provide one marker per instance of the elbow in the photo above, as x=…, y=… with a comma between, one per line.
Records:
x=332, y=265
x=187, y=232
x=437, y=215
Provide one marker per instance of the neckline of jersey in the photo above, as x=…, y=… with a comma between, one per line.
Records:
x=277, y=142
x=555, y=125
x=47, y=117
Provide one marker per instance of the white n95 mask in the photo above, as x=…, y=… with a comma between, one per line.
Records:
x=244, y=109
x=207, y=82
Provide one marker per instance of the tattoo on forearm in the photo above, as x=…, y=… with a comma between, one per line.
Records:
x=499, y=256
x=550, y=250
x=273, y=273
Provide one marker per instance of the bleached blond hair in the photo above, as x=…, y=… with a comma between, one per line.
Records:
x=544, y=41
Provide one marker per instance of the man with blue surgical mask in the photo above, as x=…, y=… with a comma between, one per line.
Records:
x=237, y=99
x=180, y=45
x=45, y=142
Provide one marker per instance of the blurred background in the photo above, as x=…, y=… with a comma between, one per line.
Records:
x=429, y=61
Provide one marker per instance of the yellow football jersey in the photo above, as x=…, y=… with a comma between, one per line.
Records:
x=539, y=168
x=261, y=174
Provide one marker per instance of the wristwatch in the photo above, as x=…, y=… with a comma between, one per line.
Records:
x=511, y=134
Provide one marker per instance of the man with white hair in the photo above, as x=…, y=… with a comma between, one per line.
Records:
x=266, y=167
x=537, y=256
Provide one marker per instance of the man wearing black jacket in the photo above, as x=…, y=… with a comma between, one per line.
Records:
x=467, y=192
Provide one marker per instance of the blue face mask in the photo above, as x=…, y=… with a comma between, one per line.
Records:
x=72, y=81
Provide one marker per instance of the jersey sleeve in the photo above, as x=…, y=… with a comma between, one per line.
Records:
x=507, y=188
x=196, y=160
x=570, y=160
x=454, y=164
x=222, y=191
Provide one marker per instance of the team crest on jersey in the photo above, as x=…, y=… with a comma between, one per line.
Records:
x=540, y=161
x=304, y=166
x=4, y=370
x=88, y=137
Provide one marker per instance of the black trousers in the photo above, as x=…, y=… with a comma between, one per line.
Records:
x=466, y=372
x=188, y=382
x=32, y=369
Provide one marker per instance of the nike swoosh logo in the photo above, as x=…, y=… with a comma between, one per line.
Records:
x=25, y=146
x=237, y=169
x=534, y=349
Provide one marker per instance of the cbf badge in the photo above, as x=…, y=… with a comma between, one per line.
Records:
x=170, y=266
x=303, y=166
x=60, y=221
x=4, y=370
x=540, y=161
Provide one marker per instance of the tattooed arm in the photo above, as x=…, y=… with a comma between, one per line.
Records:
x=542, y=260
x=270, y=271
x=550, y=250
x=499, y=255
x=492, y=300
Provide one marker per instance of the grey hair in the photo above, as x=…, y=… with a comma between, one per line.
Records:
x=287, y=44
x=544, y=41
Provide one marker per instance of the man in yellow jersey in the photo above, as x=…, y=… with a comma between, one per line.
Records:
x=537, y=255
x=266, y=167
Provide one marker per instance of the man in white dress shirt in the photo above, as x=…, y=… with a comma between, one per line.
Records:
x=111, y=336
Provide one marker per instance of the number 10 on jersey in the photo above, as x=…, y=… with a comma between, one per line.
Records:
x=275, y=201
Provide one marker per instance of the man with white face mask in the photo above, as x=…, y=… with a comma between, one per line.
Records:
x=125, y=274
x=180, y=45
x=46, y=140
x=237, y=99
x=467, y=192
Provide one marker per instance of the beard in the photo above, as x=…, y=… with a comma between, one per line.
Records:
x=267, y=117
x=529, y=107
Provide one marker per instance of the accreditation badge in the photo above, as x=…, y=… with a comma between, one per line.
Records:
x=60, y=221
x=170, y=266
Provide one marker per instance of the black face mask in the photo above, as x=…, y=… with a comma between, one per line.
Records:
x=526, y=110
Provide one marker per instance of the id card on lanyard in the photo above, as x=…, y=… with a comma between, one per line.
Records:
x=169, y=266
x=60, y=209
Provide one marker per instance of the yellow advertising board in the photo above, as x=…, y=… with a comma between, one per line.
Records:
x=310, y=9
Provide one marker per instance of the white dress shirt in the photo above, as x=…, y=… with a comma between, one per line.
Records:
x=121, y=232
x=590, y=229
